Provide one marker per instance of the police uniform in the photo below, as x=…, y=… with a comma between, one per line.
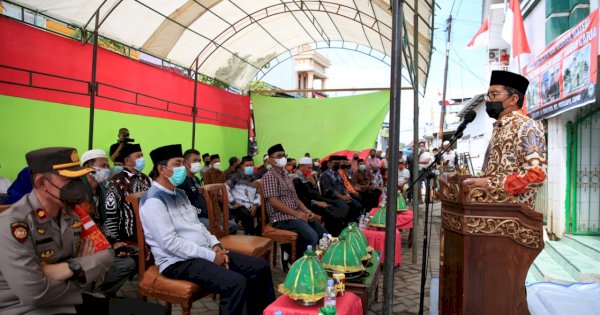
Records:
x=29, y=238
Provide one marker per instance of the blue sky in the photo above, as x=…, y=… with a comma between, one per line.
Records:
x=466, y=70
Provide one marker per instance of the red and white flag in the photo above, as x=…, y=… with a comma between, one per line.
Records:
x=513, y=31
x=481, y=37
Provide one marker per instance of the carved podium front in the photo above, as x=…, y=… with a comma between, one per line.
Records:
x=487, y=245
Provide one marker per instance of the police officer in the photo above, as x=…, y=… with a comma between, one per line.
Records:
x=43, y=262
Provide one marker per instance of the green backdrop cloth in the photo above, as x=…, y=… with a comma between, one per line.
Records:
x=30, y=124
x=319, y=126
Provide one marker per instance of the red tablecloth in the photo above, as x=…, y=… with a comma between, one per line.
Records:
x=349, y=303
x=376, y=239
x=404, y=219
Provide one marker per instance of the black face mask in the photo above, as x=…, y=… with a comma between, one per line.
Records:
x=372, y=155
x=72, y=193
x=207, y=163
x=336, y=167
x=355, y=157
x=494, y=109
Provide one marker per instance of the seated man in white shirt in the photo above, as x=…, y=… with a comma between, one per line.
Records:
x=403, y=177
x=184, y=249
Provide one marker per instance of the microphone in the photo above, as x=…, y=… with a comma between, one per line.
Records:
x=467, y=119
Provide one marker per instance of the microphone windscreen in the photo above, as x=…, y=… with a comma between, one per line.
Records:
x=470, y=116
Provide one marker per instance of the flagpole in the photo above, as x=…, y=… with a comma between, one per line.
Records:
x=443, y=109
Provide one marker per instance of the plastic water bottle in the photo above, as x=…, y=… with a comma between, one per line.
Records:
x=330, y=294
x=278, y=313
x=324, y=242
x=361, y=222
x=309, y=248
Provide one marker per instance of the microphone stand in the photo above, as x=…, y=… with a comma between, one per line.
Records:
x=428, y=174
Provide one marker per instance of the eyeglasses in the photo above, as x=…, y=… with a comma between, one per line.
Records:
x=492, y=96
x=278, y=156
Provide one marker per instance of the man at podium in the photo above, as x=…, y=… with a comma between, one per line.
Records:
x=515, y=160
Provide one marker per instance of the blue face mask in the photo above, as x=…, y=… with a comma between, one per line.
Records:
x=178, y=176
x=249, y=170
x=140, y=164
x=118, y=169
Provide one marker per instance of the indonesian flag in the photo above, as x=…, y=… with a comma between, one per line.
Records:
x=513, y=31
x=481, y=37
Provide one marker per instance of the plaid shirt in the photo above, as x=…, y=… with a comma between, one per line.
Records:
x=277, y=183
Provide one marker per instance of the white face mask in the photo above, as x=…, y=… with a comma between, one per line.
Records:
x=195, y=167
x=282, y=162
x=217, y=165
x=101, y=174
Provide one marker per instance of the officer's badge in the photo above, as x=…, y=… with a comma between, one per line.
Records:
x=20, y=231
x=76, y=224
x=47, y=254
x=74, y=156
x=41, y=213
x=40, y=231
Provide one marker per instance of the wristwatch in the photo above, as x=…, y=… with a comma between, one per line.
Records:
x=75, y=267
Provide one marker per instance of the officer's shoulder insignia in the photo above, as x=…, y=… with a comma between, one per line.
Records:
x=76, y=224
x=41, y=213
x=40, y=231
x=20, y=231
x=47, y=254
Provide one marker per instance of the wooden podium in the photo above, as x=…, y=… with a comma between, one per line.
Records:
x=488, y=242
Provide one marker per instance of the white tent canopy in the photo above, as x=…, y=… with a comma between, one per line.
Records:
x=235, y=41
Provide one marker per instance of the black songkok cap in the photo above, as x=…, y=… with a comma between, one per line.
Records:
x=510, y=79
x=165, y=153
x=275, y=148
x=129, y=148
x=214, y=156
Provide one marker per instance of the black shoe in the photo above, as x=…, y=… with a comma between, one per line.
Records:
x=285, y=261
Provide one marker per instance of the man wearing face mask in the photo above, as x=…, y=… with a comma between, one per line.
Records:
x=244, y=199
x=44, y=261
x=266, y=166
x=206, y=167
x=308, y=192
x=95, y=186
x=363, y=183
x=285, y=210
x=354, y=162
x=515, y=160
x=184, y=249
x=192, y=183
x=119, y=226
x=214, y=175
x=334, y=191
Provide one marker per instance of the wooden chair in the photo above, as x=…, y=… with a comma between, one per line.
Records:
x=155, y=285
x=218, y=217
x=277, y=235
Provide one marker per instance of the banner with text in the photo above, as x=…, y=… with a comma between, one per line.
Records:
x=563, y=76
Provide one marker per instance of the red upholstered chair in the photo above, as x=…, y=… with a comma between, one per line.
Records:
x=218, y=217
x=155, y=285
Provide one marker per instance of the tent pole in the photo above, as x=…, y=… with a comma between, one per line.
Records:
x=416, y=108
x=93, y=87
x=392, y=183
x=194, y=110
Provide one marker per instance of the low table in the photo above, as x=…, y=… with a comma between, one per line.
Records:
x=368, y=287
x=347, y=304
x=376, y=239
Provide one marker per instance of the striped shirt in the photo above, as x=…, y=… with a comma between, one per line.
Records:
x=277, y=183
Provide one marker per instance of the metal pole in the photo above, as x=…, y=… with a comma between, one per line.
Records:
x=194, y=110
x=416, y=103
x=443, y=111
x=93, y=85
x=392, y=183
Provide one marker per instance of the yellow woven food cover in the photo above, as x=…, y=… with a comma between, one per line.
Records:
x=343, y=256
x=306, y=280
x=378, y=219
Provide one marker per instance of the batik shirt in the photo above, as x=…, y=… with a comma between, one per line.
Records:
x=515, y=160
x=120, y=216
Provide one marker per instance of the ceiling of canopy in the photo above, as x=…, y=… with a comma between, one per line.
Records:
x=235, y=41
